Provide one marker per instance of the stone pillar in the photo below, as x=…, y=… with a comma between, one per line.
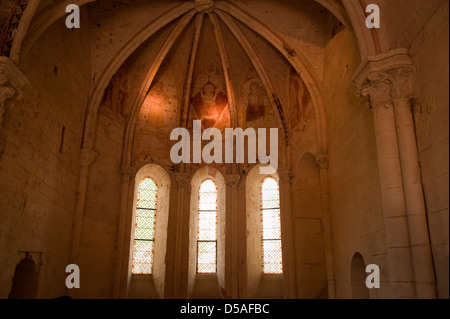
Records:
x=232, y=236
x=179, y=290
x=125, y=175
x=287, y=234
x=87, y=158
x=242, y=237
x=374, y=83
x=386, y=80
x=322, y=161
x=170, y=258
x=412, y=182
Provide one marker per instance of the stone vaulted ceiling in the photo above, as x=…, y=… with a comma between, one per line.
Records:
x=206, y=60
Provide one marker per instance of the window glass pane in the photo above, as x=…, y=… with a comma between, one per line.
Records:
x=270, y=194
x=207, y=225
x=207, y=228
x=206, y=258
x=271, y=224
x=145, y=224
x=271, y=227
x=147, y=194
x=272, y=257
x=142, y=257
x=208, y=196
x=144, y=234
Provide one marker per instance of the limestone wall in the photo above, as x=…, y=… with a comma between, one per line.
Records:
x=38, y=168
x=355, y=200
x=431, y=113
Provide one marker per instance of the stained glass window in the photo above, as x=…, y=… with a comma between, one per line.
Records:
x=271, y=227
x=207, y=228
x=144, y=234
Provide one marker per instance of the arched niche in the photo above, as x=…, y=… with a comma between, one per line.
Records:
x=151, y=285
x=358, y=278
x=25, y=280
x=310, y=265
x=259, y=285
x=206, y=286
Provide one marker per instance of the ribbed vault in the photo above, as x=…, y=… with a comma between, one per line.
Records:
x=231, y=71
x=231, y=55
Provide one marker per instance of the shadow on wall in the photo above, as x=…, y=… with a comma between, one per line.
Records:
x=25, y=280
x=358, y=277
x=309, y=240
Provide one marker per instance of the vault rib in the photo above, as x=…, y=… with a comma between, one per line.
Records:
x=226, y=69
x=184, y=111
x=259, y=67
x=147, y=82
x=42, y=21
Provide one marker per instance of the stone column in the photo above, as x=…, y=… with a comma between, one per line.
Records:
x=170, y=258
x=179, y=291
x=125, y=175
x=87, y=158
x=375, y=84
x=287, y=234
x=412, y=182
x=232, y=236
x=322, y=161
x=242, y=237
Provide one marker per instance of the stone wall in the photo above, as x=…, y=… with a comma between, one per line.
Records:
x=355, y=200
x=431, y=113
x=39, y=166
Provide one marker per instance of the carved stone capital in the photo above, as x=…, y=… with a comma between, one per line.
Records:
x=322, y=160
x=233, y=180
x=400, y=79
x=377, y=88
x=204, y=5
x=384, y=77
x=285, y=175
x=87, y=157
x=181, y=178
